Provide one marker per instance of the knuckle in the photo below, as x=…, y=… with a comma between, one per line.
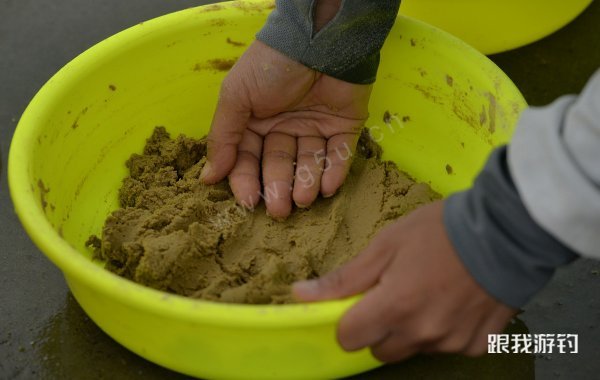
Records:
x=337, y=164
x=278, y=154
x=453, y=345
x=382, y=354
x=475, y=351
x=219, y=138
x=229, y=85
x=428, y=333
x=310, y=156
x=390, y=354
x=227, y=91
x=404, y=305
x=303, y=174
x=302, y=184
x=332, y=281
x=398, y=310
x=248, y=154
x=476, y=348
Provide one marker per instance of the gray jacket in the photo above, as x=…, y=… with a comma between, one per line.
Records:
x=536, y=204
x=347, y=48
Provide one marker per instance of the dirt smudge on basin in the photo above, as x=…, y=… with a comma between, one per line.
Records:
x=387, y=117
x=235, y=43
x=492, y=110
x=218, y=22
x=43, y=192
x=222, y=64
x=217, y=64
x=255, y=7
x=75, y=124
x=466, y=114
x=211, y=8
x=429, y=93
x=483, y=116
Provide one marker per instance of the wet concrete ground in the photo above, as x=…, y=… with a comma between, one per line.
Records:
x=45, y=334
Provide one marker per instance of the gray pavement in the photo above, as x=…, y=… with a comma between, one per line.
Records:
x=44, y=333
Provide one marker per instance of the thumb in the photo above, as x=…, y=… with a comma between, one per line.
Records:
x=226, y=131
x=354, y=277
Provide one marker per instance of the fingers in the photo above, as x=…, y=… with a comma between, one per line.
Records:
x=309, y=169
x=279, y=154
x=494, y=324
x=340, y=150
x=393, y=348
x=244, y=179
x=367, y=323
x=226, y=131
x=457, y=340
x=356, y=276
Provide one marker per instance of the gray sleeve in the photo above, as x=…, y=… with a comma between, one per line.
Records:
x=536, y=204
x=555, y=161
x=497, y=240
x=347, y=48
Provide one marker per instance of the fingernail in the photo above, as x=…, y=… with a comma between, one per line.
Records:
x=276, y=218
x=328, y=195
x=306, y=289
x=300, y=205
x=206, y=171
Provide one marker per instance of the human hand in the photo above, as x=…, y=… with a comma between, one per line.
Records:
x=419, y=296
x=300, y=125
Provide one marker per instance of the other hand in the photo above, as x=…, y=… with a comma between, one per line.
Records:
x=293, y=126
x=419, y=296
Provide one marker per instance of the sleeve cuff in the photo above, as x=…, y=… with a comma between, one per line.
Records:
x=503, y=248
x=347, y=48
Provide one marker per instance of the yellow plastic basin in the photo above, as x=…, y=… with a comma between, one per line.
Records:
x=447, y=104
x=494, y=26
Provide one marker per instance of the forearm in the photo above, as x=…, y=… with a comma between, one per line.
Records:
x=343, y=43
